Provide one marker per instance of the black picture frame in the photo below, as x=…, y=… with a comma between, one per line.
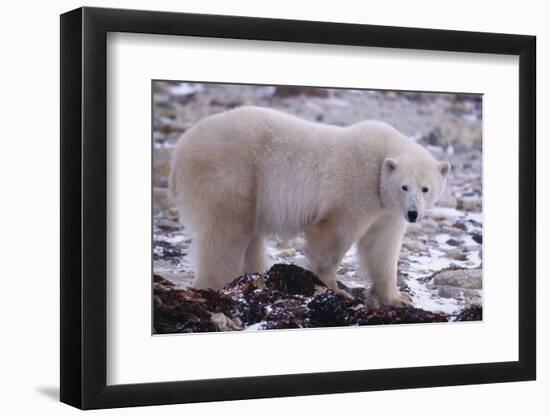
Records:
x=84, y=207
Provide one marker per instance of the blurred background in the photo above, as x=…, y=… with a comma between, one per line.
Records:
x=441, y=259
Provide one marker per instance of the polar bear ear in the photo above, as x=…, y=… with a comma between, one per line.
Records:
x=444, y=167
x=390, y=164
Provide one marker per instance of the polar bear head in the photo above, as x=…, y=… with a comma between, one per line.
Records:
x=410, y=184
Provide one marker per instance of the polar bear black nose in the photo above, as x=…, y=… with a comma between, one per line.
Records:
x=412, y=215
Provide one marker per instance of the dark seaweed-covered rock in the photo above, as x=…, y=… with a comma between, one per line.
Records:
x=291, y=313
x=256, y=304
x=292, y=279
x=329, y=309
x=285, y=297
x=407, y=315
x=473, y=313
x=160, y=282
x=245, y=284
x=176, y=313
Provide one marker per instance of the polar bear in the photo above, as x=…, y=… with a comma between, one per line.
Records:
x=251, y=172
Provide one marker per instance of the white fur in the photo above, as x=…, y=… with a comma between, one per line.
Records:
x=250, y=172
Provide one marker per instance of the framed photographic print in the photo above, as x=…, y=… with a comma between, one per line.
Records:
x=258, y=208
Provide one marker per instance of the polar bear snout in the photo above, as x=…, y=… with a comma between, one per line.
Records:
x=412, y=216
x=414, y=208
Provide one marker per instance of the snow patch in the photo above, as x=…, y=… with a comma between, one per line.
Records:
x=185, y=89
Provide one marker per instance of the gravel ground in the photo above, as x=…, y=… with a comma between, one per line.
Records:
x=441, y=259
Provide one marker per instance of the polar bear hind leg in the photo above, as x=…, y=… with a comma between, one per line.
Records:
x=218, y=257
x=213, y=190
x=379, y=251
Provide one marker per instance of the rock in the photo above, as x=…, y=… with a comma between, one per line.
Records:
x=463, y=278
x=287, y=314
x=460, y=226
x=449, y=292
x=157, y=279
x=457, y=254
x=459, y=107
x=474, y=313
x=467, y=205
x=396, y=316
x=475, y=223
x=224, y=104
x=167, y=224
x=453, y=231
x=471, y=292
x=292, y=279
x=461, y=135
x=414, y=229
x=224, y=323
x=454, y=242
x=182, y=311
x=415, y=245
x=430, y=225
x=328, y=309
x=477, y=237
x=285, y=91
x=433, y=138
x=472, y=299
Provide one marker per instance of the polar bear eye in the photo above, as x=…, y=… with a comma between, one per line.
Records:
x=404, y=188
x=425, y=189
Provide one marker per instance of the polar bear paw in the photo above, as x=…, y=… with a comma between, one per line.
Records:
x=340, y=289
x=397, y=299
x=400, y=300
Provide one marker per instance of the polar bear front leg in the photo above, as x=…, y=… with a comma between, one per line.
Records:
x=255, y=260
x=327, y=243
x=379, y=251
